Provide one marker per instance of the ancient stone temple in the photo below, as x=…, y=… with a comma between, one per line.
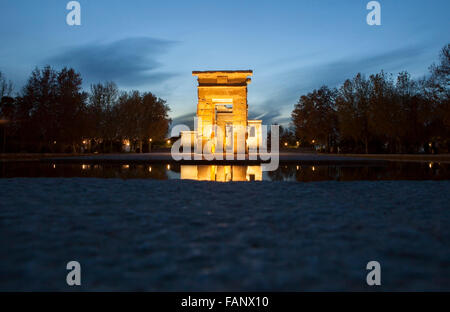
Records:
x=222, y=112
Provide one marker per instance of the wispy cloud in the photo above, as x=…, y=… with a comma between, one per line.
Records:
x=186, y=119
x=301, y=80
x=130, y=62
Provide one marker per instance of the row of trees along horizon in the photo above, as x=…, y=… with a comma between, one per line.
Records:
x=378, y=114
x=364, y=115
x=53, y=114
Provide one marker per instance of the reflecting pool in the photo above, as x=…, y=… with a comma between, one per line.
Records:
x=227, y=173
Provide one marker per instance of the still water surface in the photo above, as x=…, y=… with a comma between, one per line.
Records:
x=221, y=173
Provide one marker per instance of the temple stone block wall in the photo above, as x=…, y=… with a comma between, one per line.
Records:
x=222, y=101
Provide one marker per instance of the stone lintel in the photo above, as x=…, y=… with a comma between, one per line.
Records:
x=214, y=85
x=215, y=73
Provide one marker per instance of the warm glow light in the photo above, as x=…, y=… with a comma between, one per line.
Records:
x=285, y=144
x=126, y=166
x=313, y=141
x=298, y=143
x=150, y=140
x=430, y=165
x=150, y=169
x=84, y=167
x=54, y=166
x=430, y=144
x=84, y=142
x=168, y=141
x=54, y=142
x=168, y=167
x=298, y=167
x=313, y=168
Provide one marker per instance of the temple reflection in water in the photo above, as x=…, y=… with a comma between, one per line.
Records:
x=221, y=173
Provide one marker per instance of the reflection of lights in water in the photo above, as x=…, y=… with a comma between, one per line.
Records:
x=168, y=167
x=313, y=168
x=150, y=169
x=221, y=173
x=126, y=167
x=430, y=165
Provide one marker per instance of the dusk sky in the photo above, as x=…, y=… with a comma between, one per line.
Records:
x=292, y=46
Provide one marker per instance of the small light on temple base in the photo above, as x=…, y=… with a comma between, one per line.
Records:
x=430, y=144
x=54, y=166
x=150, y=169
x=313, y=168
x=430, y=165
x=298, y=143
x=150, y=140
x=285, y=144
x=313, y=141
x=168, y=141
x=298, y=167
x=168, y=167
x=84, y=142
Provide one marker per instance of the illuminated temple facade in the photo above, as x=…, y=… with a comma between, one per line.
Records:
x=223, y=126
x=222, y=113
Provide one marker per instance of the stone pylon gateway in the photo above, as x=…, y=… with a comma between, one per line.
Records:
x=222, y=112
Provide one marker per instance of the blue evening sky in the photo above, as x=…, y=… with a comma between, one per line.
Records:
x=292, y=46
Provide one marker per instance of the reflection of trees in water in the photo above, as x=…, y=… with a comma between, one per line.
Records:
x=291, y=172
x=139, y=171
x=123, y=171
x=391, y=171
x=283, y=173
x=304, y=173
x=317, y=173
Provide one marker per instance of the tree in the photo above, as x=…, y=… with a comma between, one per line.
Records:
x=52, y=108
x=103, y=100
x=353, y=110
x=384, y=111
x=6, y=86
x=143, y=116
x=314, y=117
x=70, y=107
x=6, y=117
x=37, y=117
x=438, y=92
